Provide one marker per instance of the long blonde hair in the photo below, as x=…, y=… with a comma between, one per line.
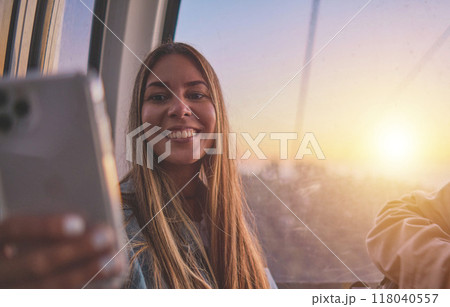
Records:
x=236, y=259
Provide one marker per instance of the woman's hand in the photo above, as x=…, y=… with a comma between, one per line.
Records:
x=54, y=252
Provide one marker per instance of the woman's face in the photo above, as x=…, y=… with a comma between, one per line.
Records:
x=162, y=108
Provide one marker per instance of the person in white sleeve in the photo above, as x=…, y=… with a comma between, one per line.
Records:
x=410, y=242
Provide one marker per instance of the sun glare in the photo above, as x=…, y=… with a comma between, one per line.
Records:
x=396, y=146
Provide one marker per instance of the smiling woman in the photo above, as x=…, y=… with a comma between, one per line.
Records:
x=195, y=228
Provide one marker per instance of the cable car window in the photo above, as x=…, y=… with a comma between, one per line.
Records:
x=367, y=80
x=75, y=36
x=45, y=36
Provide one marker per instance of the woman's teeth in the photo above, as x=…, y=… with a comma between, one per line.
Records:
x=183, y=134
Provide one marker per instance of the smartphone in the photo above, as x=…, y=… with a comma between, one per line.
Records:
x=56, y=152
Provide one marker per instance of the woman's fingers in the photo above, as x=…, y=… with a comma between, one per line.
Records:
x=17, y=229
x=7, y=251
x=79, y=276
x=54, y=252
x=41, y=263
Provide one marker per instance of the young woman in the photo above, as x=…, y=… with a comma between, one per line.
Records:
x=187, y=217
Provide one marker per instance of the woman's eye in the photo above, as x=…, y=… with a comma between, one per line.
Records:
x=157, y=98
x=196, y=96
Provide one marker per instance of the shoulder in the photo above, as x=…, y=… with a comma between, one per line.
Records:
x=431, y=206
x=139, y=277
x=128, y=192
x=132, y=227
x=128, y=204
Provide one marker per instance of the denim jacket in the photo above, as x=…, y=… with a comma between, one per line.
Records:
x=139, y=277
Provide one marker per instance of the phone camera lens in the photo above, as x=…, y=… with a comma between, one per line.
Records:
x=3, y=98
x=6, y=122
x=21, y=108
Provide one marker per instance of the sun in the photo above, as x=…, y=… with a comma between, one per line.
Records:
x=396, y=145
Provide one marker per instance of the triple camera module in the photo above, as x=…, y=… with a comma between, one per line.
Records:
x=11, y=111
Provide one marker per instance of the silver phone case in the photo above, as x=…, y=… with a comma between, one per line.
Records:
x=58, y=157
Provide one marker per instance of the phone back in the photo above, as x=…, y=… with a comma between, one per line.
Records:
x=56, y=153
x=55, y=148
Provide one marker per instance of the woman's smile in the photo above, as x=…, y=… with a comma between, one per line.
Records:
x=182, y=134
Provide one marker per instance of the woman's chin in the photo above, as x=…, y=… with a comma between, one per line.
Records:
x=174, y=160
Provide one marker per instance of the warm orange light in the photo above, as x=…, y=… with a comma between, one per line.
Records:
x=396, y=145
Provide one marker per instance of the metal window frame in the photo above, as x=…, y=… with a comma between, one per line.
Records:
x=141, y=25
x=21, y=38
x=31, y=34
x=170, y=22
x=98, y=31
x=51, y=37
x=97, y=34
x=39, y=37
x=8, y=25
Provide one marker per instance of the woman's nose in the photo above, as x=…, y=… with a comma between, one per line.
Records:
x=178, y=108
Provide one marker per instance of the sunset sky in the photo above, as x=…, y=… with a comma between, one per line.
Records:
x=375, y=102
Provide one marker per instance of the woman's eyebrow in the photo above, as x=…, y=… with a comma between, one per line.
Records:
x=197, y=82
x=187, y=84
x=157, y=84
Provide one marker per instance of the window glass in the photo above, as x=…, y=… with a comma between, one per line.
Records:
x=48, y=36
x=374, y=94
x=75, y=36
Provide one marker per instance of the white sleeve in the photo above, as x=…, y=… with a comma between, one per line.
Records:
x=410, y=242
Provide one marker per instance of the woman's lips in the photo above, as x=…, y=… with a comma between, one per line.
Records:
x=182, y=136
